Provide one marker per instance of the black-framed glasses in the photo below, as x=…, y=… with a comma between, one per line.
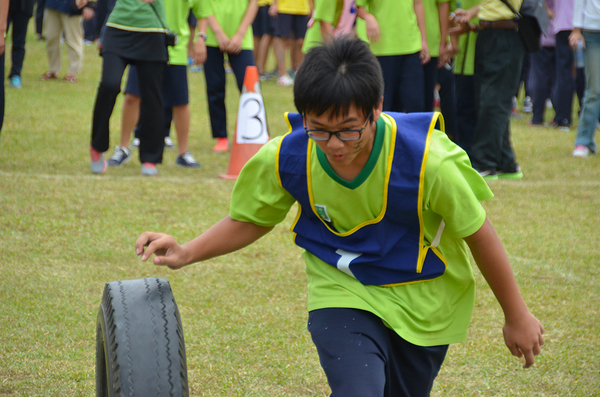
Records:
x=343, y=135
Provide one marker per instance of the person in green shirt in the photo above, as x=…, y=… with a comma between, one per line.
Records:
x=388, y=209
x=229, y=32
x=175, y=84
x=464, y=67
x=397, y=34
x=135, y=35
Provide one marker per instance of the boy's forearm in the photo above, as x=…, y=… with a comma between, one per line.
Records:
x=249, y=16
x=493, y=262
x=443, y=13
x=420, y=12
x=226, y=236
x=3, y=15
x=214, y=25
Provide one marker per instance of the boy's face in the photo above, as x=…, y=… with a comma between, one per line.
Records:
x=346, y=154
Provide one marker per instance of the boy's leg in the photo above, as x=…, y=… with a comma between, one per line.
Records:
x=466, y=111
x=150, y=75
x=361, y=357
x=74, y=40
x=541, y=71
x=131, y=107
x=113, y=67
x=389, y=66
x=19, y=21
x=412, y=84
x=300, y=26
x=181, y=119
x=176, y=99
x=283, y=31
x=53, y=29
x=430, y=72
x=447, y=82
x=563, y=102
x=591, y=102
x=239, y=63
x=214, y=74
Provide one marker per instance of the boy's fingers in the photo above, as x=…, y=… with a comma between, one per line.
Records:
x=529, y=358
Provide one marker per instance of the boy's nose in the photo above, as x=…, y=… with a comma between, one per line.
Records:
x=334, y=142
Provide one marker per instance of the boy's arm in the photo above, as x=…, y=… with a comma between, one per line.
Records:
x=200, y=44
x=3, y=18
x=227, y=235
x=235, y=45
x=443, y=14
x=326, y=31
x=373, y=31
x=522, y=331
x=221, y=36
x=420, y=12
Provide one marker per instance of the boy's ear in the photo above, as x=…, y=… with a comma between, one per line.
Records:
x=377, y=110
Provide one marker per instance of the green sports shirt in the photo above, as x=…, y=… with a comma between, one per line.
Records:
x=229, y=14
x=137, y=16
x=400, y=34
x=429, y=313
x=432, y=26
x=328, y=11
x=177, y=12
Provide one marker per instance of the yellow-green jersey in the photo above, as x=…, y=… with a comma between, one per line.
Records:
x=229, y=14
x=400, y=34
x=432, y=26
x=328, y=11
x=428, y=313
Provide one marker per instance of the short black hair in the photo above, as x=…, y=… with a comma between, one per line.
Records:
x=336, y=75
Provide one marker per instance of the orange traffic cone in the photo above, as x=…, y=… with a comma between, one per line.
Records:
x=251, y=131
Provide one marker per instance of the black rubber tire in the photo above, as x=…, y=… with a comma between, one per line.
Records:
x=140, y=350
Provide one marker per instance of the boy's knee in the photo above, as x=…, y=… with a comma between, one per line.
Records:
x=109, y=88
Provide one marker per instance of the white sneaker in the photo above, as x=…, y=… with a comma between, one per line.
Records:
x=285, y=80
x=581, y=151
x=169, y=143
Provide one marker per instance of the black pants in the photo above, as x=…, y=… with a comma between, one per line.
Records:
x=151, y=110
x=362, y=357
x=214, y=73
x=39, y=16
x=466, y=111
x=404, y=80
x=499, y=57
x=19, y=21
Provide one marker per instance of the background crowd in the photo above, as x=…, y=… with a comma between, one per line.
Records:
x=464, y=56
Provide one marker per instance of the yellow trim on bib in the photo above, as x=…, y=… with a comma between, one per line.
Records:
x=379, y=217
x=423, y=250
x=287, y=120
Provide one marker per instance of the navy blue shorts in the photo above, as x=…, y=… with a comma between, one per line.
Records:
x=263, y=23
x=288, y=26
x=192, y=20
x=361, y=357
x=175, y=85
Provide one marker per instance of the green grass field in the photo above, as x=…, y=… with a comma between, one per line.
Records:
x=64, y=233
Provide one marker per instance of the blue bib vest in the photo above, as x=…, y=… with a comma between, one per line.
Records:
x=388, y=250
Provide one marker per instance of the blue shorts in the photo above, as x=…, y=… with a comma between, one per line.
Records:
x=263, y=23
x=192, y=20
x=175, y=85
x=361, y=357
x=288, y=26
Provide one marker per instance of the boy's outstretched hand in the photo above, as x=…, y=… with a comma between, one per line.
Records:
x=164, y=247
x=523, y=337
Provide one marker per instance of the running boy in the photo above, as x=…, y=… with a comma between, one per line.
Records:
x=386, y=201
